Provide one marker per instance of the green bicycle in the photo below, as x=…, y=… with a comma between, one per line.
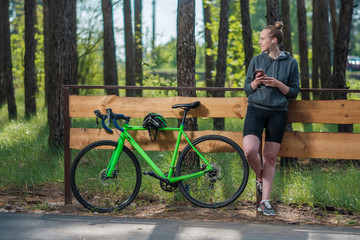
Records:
x=211, y=171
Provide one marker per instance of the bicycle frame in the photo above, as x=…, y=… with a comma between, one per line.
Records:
x=126, y=136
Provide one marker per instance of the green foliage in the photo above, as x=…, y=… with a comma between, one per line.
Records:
x=235, y=73
x=18, y=46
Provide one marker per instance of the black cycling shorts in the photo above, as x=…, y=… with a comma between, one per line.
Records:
x=274, y=123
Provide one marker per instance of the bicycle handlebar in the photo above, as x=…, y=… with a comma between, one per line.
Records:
x=110, y=115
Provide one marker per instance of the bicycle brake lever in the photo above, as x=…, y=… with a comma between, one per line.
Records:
x=97, y=112
x=97, y=121
x=108, y=116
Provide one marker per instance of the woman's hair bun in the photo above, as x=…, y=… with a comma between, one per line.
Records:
x=279, y=25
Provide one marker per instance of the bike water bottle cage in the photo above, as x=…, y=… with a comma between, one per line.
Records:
x=154, y=121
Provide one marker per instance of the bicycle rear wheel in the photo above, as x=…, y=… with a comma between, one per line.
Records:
x=221, y=186
x=89, y=184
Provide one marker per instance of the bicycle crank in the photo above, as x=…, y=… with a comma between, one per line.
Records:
x=168, y=187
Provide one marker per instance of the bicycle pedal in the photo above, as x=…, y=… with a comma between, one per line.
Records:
x=150, y=173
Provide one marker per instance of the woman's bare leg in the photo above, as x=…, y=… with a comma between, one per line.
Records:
x=251, y=145
x=270, y=153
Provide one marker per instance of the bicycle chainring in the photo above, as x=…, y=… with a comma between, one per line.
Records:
x=168, y=187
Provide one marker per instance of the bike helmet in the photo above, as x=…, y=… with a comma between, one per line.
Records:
x=154, y=121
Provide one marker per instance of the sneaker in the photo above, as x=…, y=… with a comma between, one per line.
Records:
x=259, y=186
x=266, y=208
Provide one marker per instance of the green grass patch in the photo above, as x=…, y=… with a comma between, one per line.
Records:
x=320, y=185
x=24, y=152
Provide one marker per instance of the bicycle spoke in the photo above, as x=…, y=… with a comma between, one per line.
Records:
x=90, y=185
x=221, y=186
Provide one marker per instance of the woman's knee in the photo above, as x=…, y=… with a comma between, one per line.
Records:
x=270, y=153
x=270, y=158
x=251, y=153
x=251, y=146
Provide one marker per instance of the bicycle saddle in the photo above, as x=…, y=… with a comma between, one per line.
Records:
x=187, y=105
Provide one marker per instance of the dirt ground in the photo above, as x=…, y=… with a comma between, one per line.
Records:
x=49, y=198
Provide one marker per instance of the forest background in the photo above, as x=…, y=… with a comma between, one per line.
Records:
x=122, y=52
x=107, y=47
x=102, y=52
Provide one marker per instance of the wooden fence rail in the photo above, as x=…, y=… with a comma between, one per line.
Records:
x=295, y=144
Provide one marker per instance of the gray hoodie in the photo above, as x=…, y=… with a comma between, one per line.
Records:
x=284, y=69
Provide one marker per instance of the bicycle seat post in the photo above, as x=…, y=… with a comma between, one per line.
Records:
x=184, y=116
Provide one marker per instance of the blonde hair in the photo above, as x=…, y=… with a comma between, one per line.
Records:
x=276, y=31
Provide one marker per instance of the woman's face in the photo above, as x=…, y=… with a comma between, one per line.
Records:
x=265, y=40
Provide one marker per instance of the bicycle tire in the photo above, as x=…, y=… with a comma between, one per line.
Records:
x=90, y=187
x=220, y=187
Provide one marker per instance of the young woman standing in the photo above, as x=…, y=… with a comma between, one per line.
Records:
x=272, y=79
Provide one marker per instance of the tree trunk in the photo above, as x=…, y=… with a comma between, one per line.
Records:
x=30, y=49
x=209, y=58
x=2, y=69
x=75, y=62
x=303, y=48
x=138, y=46
x=324, y=48
x=315, y=50
x=272, y=11
x=6, y=78
x=273, y=7
x=334, y=20
x=60, y=66
x=285, y=13
x=246, y=32
x=129, y=50
x=2, y=83
x=186, y=52
x=340, y=53
x=219, y=123
x=153, y=31
x=46, y=20
x=110, y=68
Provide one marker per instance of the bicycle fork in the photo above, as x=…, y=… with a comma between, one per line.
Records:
x=115, y=156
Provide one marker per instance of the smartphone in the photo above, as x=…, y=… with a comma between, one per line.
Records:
x=260, y=71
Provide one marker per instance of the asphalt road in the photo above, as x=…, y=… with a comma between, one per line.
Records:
x=51, y=226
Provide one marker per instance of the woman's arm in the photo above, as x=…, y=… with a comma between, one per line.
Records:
x=292, y=89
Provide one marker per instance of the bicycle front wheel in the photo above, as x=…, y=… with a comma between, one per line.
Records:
x=221, y=186
x=93, y=189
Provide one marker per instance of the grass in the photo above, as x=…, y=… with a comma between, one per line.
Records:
x=27, y=160
x=320, y=185
x=25, y=156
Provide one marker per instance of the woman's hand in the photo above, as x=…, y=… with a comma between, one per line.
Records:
x=272, y=82
x=259, y=78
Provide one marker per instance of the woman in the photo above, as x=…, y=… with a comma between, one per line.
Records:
x=272, y=79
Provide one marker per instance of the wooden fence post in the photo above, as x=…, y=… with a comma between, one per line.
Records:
x=67, y=150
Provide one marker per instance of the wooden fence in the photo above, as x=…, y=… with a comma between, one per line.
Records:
x=295, y=144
